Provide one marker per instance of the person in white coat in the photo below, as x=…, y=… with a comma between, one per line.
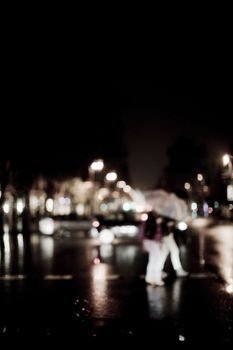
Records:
x=154, y=246
x=170, y=247
x=159, y=242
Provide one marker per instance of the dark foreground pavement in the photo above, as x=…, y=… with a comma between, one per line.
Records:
x=72, y=288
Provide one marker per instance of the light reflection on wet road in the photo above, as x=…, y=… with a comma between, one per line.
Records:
x=39, y=273
x=216, y=250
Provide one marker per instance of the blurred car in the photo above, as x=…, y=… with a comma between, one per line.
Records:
x=113, y=228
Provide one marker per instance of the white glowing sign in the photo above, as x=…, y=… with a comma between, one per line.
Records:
x=230, y=192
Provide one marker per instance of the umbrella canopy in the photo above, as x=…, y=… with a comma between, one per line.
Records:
x=167, y=204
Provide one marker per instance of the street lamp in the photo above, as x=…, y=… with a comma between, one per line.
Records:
x=187, y=186
x=96, y=166
x=226, y=159
x=121, y=184
x=111, y=177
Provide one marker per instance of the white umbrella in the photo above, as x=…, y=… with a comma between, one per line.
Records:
x=167, y=204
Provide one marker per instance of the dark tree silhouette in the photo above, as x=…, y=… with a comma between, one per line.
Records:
x=186, y=159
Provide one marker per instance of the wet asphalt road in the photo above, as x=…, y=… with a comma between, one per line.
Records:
x=71, y=286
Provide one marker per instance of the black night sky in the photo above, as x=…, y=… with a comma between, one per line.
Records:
x=68, y=98
x=56, y=125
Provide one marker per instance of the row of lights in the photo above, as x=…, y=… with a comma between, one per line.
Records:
x=226, y=159
x=20, y=205
x=200, y=179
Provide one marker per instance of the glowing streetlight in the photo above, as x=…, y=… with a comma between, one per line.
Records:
x=121, y=184
x=111, y=177
x=187, y=186
x=199, y=177
x=127, y=189
x=227, y=161
x=97, y=165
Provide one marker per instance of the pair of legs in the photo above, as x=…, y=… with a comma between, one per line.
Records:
x=158, y=253
x=172, y=248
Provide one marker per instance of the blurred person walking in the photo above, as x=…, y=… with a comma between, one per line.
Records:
x=159, y=242
x=154, y=246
